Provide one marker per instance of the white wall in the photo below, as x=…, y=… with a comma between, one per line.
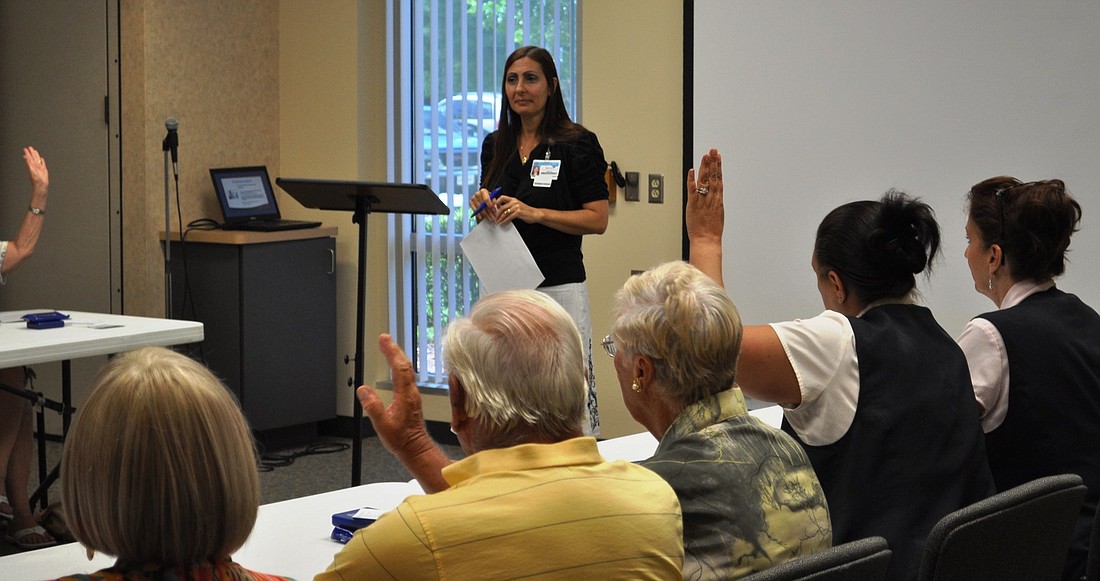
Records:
x=814, y=104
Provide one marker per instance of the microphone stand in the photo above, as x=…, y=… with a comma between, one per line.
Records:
x=169, y=146
x=167, y=239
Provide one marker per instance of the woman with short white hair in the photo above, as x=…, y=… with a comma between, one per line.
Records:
x=749, y=496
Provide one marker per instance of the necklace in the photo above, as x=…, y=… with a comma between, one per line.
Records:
x=523, y=156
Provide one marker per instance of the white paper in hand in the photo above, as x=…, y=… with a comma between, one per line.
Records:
x=500, y=258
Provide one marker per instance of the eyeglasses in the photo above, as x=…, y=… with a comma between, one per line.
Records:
x=609, y=345
x=1015, y=187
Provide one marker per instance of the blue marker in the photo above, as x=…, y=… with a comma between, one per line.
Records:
x=492, y=196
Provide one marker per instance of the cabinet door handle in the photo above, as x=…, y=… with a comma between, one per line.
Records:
x=331, y=261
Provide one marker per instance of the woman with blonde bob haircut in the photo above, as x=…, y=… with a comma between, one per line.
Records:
x=159, y=470
x=518, y=389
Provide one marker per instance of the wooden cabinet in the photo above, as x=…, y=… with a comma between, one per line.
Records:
x=267, y=301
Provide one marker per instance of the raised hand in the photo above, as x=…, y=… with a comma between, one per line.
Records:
x=705, y=215
x=400, y=426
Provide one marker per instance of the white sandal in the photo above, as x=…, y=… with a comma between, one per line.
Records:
x=17, y=537
x=6, y=516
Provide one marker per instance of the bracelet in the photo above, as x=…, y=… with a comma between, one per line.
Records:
x=36, y=211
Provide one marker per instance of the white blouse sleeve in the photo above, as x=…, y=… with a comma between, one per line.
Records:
x=3, y=253
x=822, y=351
x=984, y=349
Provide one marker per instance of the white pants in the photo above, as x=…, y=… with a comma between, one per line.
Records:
x=573, y=297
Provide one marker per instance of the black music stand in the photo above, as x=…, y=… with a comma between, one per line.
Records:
x=362, y=198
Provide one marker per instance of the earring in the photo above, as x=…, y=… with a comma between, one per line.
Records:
x=991, y=283
x=634, y=385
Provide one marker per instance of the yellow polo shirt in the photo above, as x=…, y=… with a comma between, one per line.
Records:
x=538, y=511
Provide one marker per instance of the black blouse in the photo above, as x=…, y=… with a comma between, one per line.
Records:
x=580, y=181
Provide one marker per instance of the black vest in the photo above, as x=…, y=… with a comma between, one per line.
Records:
x=1052, y=341
x=914, y=451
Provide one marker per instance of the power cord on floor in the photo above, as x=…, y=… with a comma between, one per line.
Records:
x=269, y=462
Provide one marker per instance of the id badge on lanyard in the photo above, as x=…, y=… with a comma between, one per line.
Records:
x=545, y=171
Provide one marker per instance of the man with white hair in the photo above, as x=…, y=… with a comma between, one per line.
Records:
x=534, y=498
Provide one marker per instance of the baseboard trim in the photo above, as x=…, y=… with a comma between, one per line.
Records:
x=344, y=427
x=277, y=439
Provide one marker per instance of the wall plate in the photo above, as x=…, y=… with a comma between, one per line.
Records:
x=632, y=178
x=656, y=188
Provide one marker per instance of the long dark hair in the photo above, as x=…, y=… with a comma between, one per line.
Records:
x=876, y=247
x=1032, y=222
x=555, y=126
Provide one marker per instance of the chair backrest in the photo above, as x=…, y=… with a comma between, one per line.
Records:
x=1092, y=568
x=1021, y=533
x=862, y=560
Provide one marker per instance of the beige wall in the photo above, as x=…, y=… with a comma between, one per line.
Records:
x=190, y=60
x=631, y=96
x=304, y=93
x=332, y=69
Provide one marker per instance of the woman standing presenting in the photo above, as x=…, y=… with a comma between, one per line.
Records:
x=1034, y=362
x=550, y=172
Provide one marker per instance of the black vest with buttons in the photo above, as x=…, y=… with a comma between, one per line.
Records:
x=914, y=451
x=1052, y=426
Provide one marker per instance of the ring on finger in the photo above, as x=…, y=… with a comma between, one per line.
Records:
x=702, y=191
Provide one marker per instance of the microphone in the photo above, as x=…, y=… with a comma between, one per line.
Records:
x=172, y=142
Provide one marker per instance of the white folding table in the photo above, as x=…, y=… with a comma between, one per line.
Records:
x=83, y=335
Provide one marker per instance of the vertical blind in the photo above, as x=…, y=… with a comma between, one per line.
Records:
x=457, y=54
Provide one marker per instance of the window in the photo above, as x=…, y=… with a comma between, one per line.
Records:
x=447, y=83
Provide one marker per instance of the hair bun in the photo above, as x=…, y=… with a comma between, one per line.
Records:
x=897, y=250
x=898, y=242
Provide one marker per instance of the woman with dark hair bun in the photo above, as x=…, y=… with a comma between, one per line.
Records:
x=873, y=388
x=1034, y=362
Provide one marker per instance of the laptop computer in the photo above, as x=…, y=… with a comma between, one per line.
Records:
x=248, y=202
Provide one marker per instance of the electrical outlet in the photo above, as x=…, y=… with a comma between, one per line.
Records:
x=632, y=178
x=656, y=188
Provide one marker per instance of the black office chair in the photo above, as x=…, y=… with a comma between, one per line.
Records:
x=862, y=560
x=1021, y=533
x=1092, y=567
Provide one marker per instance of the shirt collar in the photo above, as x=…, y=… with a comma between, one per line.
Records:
x=1023, y=289
x=905, y=300
x=572, y=452
x=707, y=412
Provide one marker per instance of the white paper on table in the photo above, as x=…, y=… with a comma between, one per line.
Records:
x=500, y=258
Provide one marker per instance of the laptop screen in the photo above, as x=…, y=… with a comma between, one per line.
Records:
x=245, y=194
